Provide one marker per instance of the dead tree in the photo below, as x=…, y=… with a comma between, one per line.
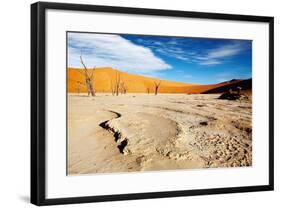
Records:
x=117, y=83
x=89, y=78
x=148, y=90
x=157, y=84
x=112, y=87
x=78, y=87
x=123, y=88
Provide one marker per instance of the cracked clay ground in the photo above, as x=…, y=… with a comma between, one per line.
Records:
x=141, y=132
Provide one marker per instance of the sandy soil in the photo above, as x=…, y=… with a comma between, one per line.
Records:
x=141, y=132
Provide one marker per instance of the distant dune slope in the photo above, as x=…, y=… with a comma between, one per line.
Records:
x=244, y=84
x=104, y=79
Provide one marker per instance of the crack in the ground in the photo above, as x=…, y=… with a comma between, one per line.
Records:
x=116, y=134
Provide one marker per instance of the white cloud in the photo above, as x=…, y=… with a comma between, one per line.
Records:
x=112, y=51
x=170, y=48
x=210, y=62
x=183, y=51
x=215, y=56
x=225, y=51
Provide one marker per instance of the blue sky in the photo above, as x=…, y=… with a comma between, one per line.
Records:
x=190, y=60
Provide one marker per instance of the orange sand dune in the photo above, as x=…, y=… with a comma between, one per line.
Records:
x=104, y=79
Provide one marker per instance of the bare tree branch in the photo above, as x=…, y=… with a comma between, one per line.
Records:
x=88, y=80
x=117, y=82
x=157, y=85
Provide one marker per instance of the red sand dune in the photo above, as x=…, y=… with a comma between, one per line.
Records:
x=104, y=79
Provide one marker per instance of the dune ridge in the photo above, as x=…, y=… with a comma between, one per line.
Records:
x=105, y=77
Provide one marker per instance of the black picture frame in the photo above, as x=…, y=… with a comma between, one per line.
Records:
x=38, y=102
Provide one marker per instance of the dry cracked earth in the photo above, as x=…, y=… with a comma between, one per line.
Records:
x=141, y=132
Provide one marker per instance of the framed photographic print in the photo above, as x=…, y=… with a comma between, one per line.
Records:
x=131, y=103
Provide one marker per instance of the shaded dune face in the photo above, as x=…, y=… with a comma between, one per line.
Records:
x=104, y=78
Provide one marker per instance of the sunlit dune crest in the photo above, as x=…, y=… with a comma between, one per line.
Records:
x=105, y=77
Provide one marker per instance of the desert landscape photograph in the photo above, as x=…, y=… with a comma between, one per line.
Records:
x=153, y=103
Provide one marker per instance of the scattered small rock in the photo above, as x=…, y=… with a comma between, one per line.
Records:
x=203, y=123
x=229, y=96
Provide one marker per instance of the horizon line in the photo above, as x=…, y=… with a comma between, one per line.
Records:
x=150, y=77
